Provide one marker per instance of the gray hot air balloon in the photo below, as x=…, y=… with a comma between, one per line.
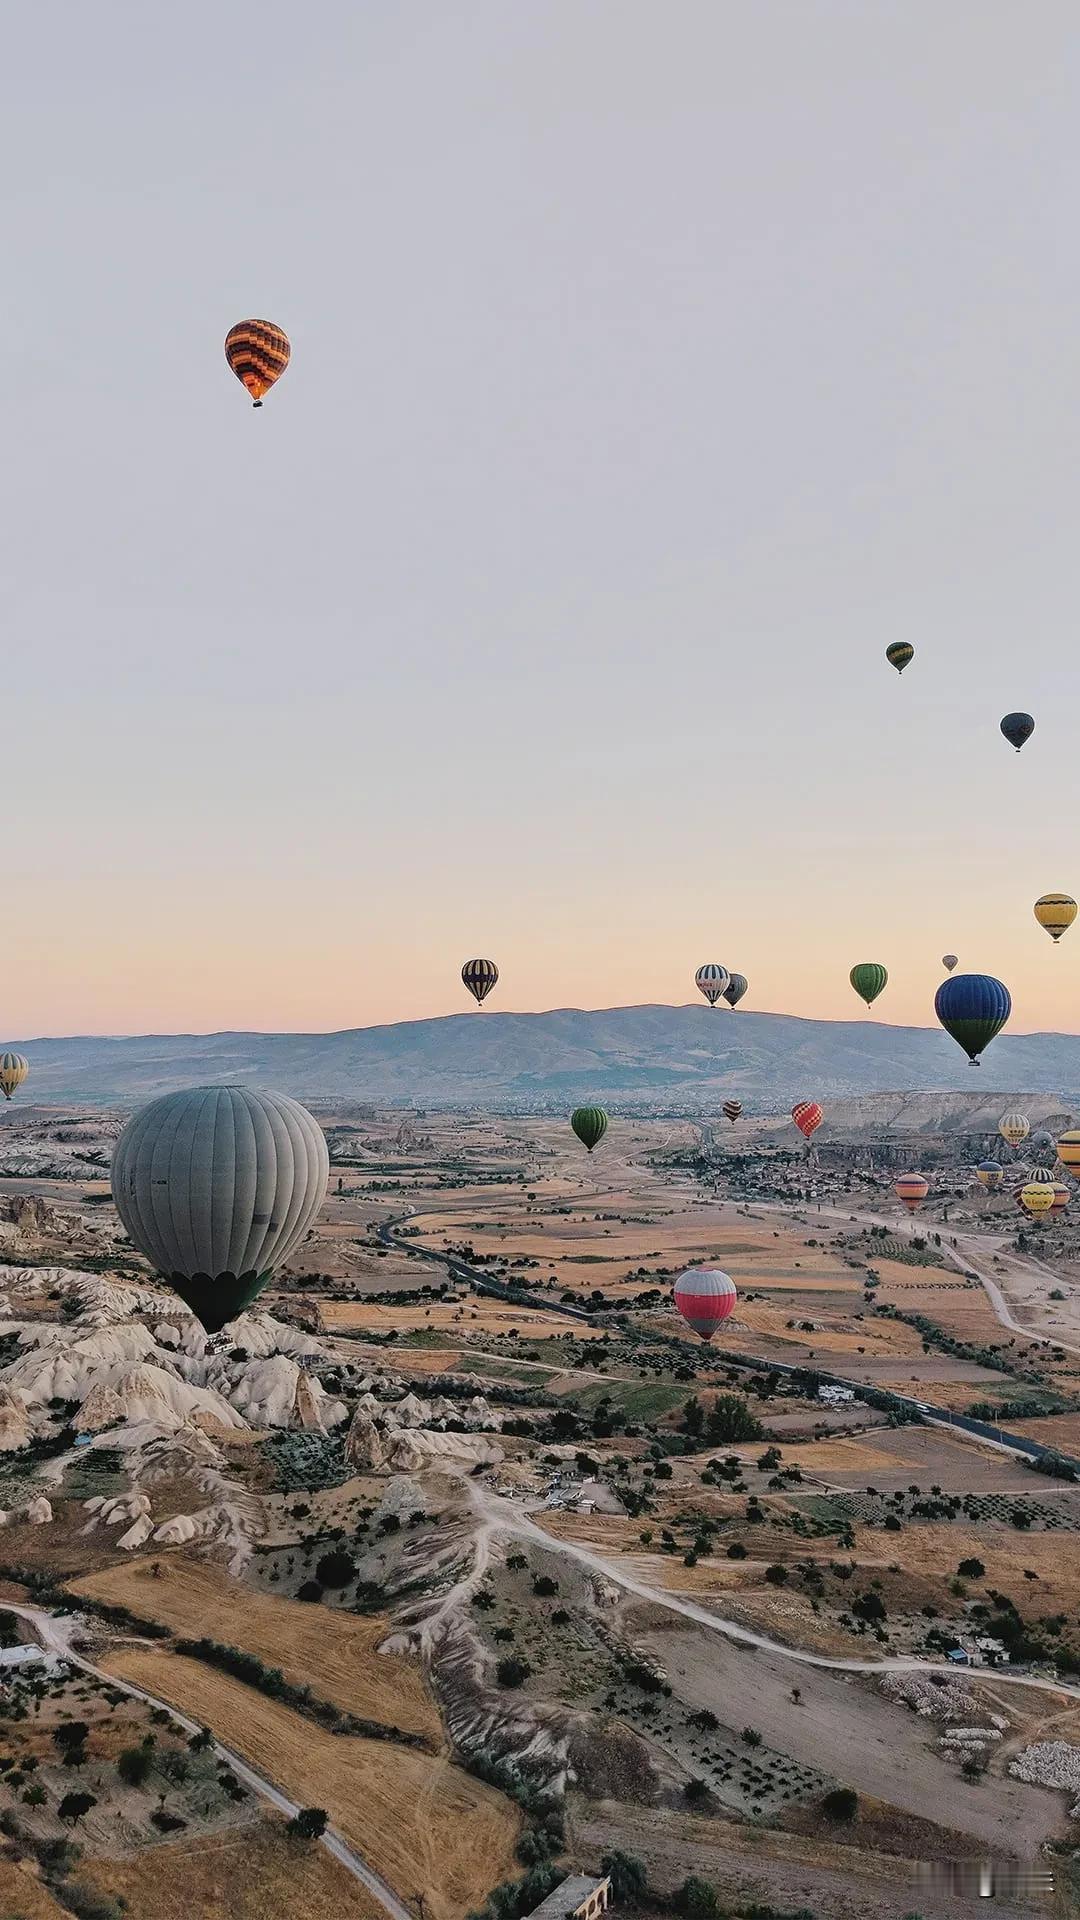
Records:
x=216, y=1185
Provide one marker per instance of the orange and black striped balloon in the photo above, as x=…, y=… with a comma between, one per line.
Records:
x=258, y=353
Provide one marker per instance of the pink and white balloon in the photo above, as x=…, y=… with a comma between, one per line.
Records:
x=705, y=1297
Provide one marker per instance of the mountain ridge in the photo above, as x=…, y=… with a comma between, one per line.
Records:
x=645, y=1057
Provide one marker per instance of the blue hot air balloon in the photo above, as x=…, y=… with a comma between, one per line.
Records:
x=972, y=1007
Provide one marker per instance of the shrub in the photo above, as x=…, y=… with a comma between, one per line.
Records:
x=70, y=1733
x=309, y=1823
x=776, y=1575
x=544, y=1586
x=841, y=1804
x=736, y=1551
x=511, y=1671
x=696, y=1898
x=626, y=1873
x=311, y=1590
x=74, y=1805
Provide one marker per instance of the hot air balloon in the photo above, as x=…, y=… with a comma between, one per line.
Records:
x=479, y=976
x=912, y=1189
x=1042, y=1147
x=1056, y=912
x=807, y=1116
x=216, y=1185
x=868, y=979
x=1069, y=1151
x=705, y=1296
x=712, y=981
x=991, y=1173
x=1014, y=1128
x=590, y=1125
x=1041, y=1177
x=972, y=1007
x=899, y=654
x=732, y=1110
x=949, y=961
x=1035, y=1197
x=1062, y=1196
x=735, y=989
x=1017, y=727
x=13, y=1071
x=258, y=353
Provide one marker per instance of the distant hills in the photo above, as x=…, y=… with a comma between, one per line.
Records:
x=649, y=1058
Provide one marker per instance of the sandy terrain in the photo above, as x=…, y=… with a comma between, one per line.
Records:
x=845, y=1727
x=332, y=1652
x=250, y=1875
x=421, y=1823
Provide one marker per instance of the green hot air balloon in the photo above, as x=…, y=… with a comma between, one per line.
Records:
x=590, y=1125
x=868, y=979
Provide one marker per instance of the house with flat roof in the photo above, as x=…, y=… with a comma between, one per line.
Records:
x=579, y=1897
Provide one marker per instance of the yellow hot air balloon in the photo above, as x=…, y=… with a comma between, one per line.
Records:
x=1056, y=912
x=13, y=1071
x=1014, y=1128
x=1036, y=1197
x=1069, y=1151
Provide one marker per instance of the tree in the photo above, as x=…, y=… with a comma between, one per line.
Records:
x=133, y=1765
x=199, y=1742
x=627, y=1875
x=309, y=1823
x=70, y=1733
x=730, y=1419
x=869, y=1606
x=776, y=1575
x=335, y=1569
x=36, y=1795
x=841, y=1804
x=74, y=1805
x=972, y=1569
x=736, y=1551
x=544, y=1586
x=511, y=1671
x=310, y=1591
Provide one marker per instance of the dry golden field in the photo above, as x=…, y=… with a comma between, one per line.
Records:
x=421, y=1822
x=332, y=1652
x=22, y=1896
x=475, y=1315
x=253, y=1873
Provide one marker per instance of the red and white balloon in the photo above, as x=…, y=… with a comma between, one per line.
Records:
x=705, y=1297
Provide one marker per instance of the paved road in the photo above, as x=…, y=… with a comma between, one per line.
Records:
x=470, y=1276
x=54, y=1632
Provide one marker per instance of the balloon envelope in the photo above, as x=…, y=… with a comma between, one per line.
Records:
x=14, y=1068
x=590, y=1125
x=1036, y=1198
x=732, y=1110
x=705, y=1297
x=1056, y=912
x=912, y=1189
x=807, y=1116
x=712, y=980
x=868, y=979
x=1062, y=1196
x=216, y=1185
x=899, y=654
x=735, y=989
x=1014, y=1127
x=1069, y=1150
x=1017, y=727
x=949, y=961
x=258, y=353
x=990, y=1172
x=479, y=976
x=972, y=1007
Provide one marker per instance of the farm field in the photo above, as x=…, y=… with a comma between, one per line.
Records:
x=421, y=1822
x=253, y=1874
x=332, y=1652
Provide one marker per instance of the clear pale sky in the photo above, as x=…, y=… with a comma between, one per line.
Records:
x=654, y=367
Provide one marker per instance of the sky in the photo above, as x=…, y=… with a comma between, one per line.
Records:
x=654, y=367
